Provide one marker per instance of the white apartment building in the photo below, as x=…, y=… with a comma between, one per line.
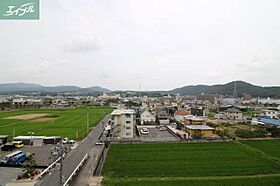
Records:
x=123, y=123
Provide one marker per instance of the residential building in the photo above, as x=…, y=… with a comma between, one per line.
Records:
x=123, y=122
x=163, y=118
x=234, y=114
x=266, y=121
x=179, y=114
x=271, y=114
x=147, y=118
x=202, y=130
x=197, y=111
x=193, y=120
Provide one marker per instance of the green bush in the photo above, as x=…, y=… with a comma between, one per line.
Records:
x=245, y=133
x=275, y=132
x=197, y=136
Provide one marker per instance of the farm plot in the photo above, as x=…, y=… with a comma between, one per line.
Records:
x=192, y=163
x=71, y=123
x=175, y=160
x=269, y=147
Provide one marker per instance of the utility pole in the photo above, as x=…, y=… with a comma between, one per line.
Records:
x=61, y=178
x=31, y=133
x=87, y=121
x=58, y=152
x=235, y=91
x=14, y=132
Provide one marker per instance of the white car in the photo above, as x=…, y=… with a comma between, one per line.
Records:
x=65, y=140
x=162, y=129
x=144, y=131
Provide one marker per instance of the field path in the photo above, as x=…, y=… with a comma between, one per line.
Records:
x=192, y=178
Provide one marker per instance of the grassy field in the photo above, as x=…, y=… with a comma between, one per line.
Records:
x=57, y=122
x=231, y=163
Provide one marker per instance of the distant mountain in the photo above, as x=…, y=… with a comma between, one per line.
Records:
x=13, y=87
x=95, y=89
x=29, y=87
x=228, y=89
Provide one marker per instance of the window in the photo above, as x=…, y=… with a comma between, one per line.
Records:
x=128, y=134
x=128, y=122
x=127, y=115
x=128, y=128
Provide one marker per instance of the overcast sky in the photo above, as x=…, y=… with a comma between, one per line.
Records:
x=144, y=44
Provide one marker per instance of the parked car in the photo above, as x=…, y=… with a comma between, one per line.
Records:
x=8, y=147
x=18, y=144
x=144, y=131
x=162, y=129
x=67, y=141
x=71, y=141
x=18, y=159
x=10, y=156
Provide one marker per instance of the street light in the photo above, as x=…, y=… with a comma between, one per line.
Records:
x=30, y=133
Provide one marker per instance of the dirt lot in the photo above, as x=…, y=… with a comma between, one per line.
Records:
x=27, y=116
x=43, y=119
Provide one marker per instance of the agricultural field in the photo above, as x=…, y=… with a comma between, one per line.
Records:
x=223, y=163
x=71, y=123
x=269, y=147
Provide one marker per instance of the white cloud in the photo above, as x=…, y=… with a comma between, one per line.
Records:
x=160, y=44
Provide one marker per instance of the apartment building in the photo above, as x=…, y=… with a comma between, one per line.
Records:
x=123, y=122
x=271, y=114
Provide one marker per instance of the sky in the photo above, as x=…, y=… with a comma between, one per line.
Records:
x=144, y=44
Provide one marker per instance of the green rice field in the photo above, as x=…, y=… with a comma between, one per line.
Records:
x=220, y=163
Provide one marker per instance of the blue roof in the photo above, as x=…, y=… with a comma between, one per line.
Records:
x=269, y=121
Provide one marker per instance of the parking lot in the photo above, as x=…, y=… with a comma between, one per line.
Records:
x=8, y=174
x=42, y=154
x=156, y=135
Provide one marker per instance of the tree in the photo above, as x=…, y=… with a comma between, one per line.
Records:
x=197, y=136
x=275, y=132
x=30, y=166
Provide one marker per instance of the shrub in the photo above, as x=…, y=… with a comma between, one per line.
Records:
x=245, y=133
x=275, y=132
x=197, y=136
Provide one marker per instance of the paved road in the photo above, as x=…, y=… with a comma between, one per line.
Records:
x=7, y=174
x=74, y=157
x=86, y=172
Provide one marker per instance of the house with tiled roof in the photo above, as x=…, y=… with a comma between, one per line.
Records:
x=179, y=114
